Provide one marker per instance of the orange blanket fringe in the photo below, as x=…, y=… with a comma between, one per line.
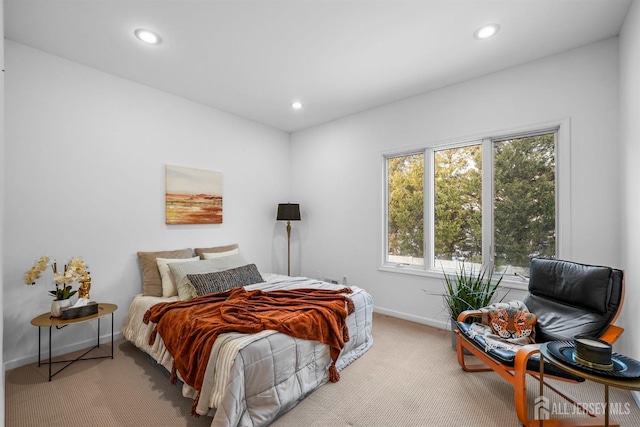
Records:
x=189, y=328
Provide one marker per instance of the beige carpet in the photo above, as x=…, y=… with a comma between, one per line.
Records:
x=410, y=377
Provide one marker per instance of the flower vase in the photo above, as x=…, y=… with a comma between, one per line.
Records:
x=58, y=305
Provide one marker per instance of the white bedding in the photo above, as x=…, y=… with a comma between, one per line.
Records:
x=252, y=379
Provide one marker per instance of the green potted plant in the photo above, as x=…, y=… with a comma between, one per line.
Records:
x=468, y=289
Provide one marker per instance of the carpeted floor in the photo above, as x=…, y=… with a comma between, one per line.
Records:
x=410, y=377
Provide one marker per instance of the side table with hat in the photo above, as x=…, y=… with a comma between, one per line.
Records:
x=594, y=360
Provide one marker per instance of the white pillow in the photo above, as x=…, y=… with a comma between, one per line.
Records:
x=212, y=255
x=169, y=288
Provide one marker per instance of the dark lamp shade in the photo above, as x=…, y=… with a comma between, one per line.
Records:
x=288, y=212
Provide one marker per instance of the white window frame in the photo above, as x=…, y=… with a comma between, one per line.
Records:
x=385, y=264
x=563, y=194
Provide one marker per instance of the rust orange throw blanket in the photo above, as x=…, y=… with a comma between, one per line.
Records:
x=189, y=328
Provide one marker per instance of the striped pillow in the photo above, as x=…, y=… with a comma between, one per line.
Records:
x=220, y=281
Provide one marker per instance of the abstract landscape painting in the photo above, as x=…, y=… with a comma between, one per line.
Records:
x=193, y=196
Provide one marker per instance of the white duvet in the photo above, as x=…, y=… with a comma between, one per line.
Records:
x=252, y=379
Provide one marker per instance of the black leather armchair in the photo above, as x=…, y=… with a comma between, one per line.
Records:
x=569, y=299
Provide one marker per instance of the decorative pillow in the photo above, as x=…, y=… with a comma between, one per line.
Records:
x=227, y=262
x=179, y=271
x=221, y=281
x=169, y=288
x=510, y=323
x=151, y=280
x=212, y=255
x=215, y=249
x=186, y=291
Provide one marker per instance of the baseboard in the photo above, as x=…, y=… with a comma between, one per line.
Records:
x=16, y=363
x=440, y=324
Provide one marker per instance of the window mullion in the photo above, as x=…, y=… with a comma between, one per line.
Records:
x=429, y=207
x=385, y=208
x=487, y=202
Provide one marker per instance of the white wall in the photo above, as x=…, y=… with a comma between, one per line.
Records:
x=1, y=195
x=84, y=156
x=338, y=172
x=630, y=157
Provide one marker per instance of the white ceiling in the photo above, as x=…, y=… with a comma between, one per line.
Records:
x=253, y=58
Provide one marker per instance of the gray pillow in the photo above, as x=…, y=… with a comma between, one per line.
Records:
x=217, y=249
x=179, y=271
x=221, y=281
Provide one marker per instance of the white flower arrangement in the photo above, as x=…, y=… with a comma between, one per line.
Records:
x=76, y=270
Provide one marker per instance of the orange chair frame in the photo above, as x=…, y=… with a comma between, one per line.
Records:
x=516, y=375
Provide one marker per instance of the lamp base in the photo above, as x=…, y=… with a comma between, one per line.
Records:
x=288, y=248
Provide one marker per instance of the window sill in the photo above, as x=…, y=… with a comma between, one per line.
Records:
x=409, y=270
x=511, y=282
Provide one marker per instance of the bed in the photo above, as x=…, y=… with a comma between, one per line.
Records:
x=251, y=379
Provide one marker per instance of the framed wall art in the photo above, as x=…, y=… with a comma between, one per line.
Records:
x=192, y=196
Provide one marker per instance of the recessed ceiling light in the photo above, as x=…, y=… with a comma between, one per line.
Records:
x=147, y=36
x=486, y=31
x=296, y=105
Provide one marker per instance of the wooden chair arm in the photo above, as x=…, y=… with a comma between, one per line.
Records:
x=612, y=334
x=468, y=313
x=523, y=354
x=520, y=379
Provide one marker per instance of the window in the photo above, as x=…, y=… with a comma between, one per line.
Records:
x=492, y=200
x=405, y=209
x=458, y=205
x=524, y=201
